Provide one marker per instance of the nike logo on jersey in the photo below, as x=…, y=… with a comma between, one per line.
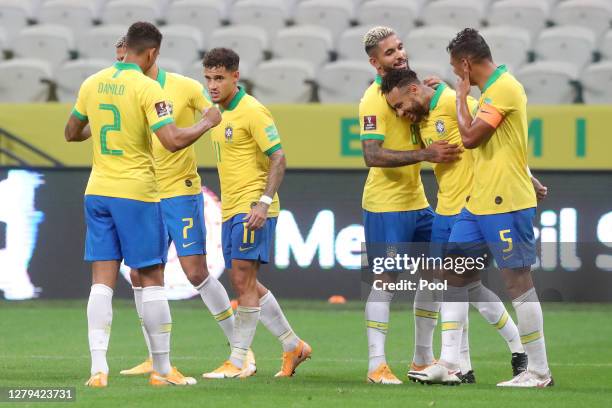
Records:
x=188, y=245
x=505, y=258
x=241, y=249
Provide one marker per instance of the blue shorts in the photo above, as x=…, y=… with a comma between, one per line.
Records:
x=398, y=226
x=241, y=243
x=123, y=229
x=385, y=230
x=508, y=236
x=440, y=233
x=184, y=219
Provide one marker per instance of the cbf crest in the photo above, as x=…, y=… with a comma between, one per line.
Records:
x=440, y=128
x=229, y=133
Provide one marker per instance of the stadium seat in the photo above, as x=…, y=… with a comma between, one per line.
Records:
x=182, y=43
x=77, y=15
x=400, y=15
x=249, y=42
x=24, y=80
x=350, y=44
x=99, y=42
x=344, y=81
x=454, y=13
x=267, y=14
x=597, y=83
x=3, y=43
x=592, y=14
x=309, y=43
x=127, y=11
x=528, y=14
x=205, y=15
x=428, y=44
x=605, y=46
x=283, y=81
x=72, y=75
x=571, y=44
x=335, y=16
x=14, y=15
x=426, y=69
x=509, y=45
x=549, y=82
x=51, y=43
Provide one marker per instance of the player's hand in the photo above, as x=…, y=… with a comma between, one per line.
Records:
x=257, y=216
x=540, y=189
x=432, y=81
x=442, y=152
x=463, y=83
x=212, y=115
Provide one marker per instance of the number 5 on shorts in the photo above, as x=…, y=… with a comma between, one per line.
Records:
x=186, y=228
x=508, y=240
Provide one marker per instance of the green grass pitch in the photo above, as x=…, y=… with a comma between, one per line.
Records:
x=44, y=343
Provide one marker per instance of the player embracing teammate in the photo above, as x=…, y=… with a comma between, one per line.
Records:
x=440, y=120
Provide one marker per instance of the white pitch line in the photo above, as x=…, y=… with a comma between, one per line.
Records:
x=324, y=360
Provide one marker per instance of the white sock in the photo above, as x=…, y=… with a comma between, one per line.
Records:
x=531, y=327
x=493, y=310
x=158, y=323
x=465, y=363
x=99, y=320
x=275, y=321
x=453, y=313
x=244, y=332
x=377, y=323
x=426, y=312
x=138, y=302
x=216, y=300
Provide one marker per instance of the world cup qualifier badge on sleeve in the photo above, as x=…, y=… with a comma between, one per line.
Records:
x=369, y=122
x=163, y=108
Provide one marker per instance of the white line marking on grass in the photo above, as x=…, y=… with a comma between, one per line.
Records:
x=324, y=360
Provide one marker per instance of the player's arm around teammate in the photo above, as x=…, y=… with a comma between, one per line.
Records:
x=121, y=200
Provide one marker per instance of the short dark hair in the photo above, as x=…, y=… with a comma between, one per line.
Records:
x=120, y=42
x=142, y=36
x=221, y=57
x=398, y=78
x=469, y=43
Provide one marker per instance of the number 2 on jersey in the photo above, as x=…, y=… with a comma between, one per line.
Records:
x=116, y=126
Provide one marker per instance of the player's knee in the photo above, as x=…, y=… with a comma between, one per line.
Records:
x=243, y=280
x=135, y=278
x=197, y=276
x=518, y=281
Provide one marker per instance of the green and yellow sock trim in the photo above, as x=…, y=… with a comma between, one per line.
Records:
x=380, y=326
x=502, y=321
x=450, y=326
x=426, y=313
x=226, y=314
x=531, y=337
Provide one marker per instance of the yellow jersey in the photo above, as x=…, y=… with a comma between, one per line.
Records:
x=501, y=181
x=177, y=173
x=454, y=179
x=390, y=188
x=242, y=143
x=123, y=107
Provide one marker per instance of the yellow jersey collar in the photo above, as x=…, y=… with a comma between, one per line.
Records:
x=236, y=99
x=436, y=97
x=122, y=66
x=161, y=77
x=494, y=77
